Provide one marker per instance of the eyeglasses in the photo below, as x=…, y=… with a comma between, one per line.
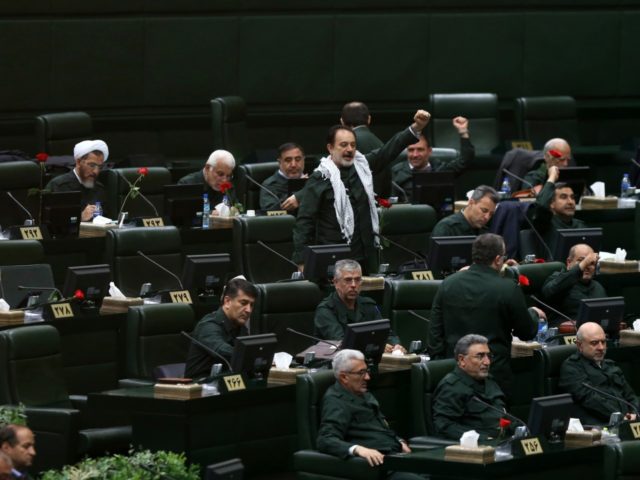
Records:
x=480, y=356
x=95, y=166
x=350, y=280
x=360, y=373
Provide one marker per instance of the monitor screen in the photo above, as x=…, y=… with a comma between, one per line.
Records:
x=565, y=238
x=436, y=189
x=295, y=184
x=319, y=260
x=206, y=274
x=182, y=203
x=227, y=470
x=253, y=355
x=368, y=337
x=607, y=312
x=93, y=280
x=449, y=254
x=549, y=416
x=577, y=178
x=61, y=213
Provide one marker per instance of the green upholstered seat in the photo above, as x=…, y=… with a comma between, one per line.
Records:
x=622, y=461
x=257, y=263
x=537, y=273
x=400, y=296
x=308, y=463
x=21, y=252
x=153, y=337
x=151, y=186
x=409, y=226
x=130, y=270
x=539, y=119
x=527, y=383
x=554, y=357
x=248, y=192
x=286, y=305
x=229, y=126
x=14, y=276
x=18, y=178
x=58, y=133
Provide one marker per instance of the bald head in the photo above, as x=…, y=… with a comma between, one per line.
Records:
x=557, y=152
x=592, y=341
x=583, y=255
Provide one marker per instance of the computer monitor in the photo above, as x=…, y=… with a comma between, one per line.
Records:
x=368, y=337
x=206, y=274
x=565, y=238
x=436, y=189
x=227, y=470
x=549, y=416
x=607, y=312
x=577, y=178
x=93, y=280
x=319, y=260
x=253, y=355
x=295, y=184
x=61, y=213
x=182, y=203
x=449, y=254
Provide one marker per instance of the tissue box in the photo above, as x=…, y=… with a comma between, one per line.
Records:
x=89, y=230
x=611, y=266
x=523, y=349
x=394, y=361
x=221, y=222
x=372, y=283
x=629, y=338
x=177, y=391
x=284, y=376
x=582, y=439
x=595, y=203
x=483, y=454
x=12, y=317
x=118, y=305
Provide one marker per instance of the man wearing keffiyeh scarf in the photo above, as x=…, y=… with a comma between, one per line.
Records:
x=338, y=205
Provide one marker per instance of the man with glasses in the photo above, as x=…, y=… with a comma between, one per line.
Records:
x=480, y=300
x=217, y=170
x=455, y=409
x=90, y=156
x=352, y=424
x=588, y=366
x=345, y=306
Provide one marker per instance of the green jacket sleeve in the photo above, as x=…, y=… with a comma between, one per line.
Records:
x=525, y=320
x=436, y=328
x=333, y=429
x=381, y=158
x=561, y=282
x=268, y=201
x=304, y=231
x=458, y=164
x=327, y=325
x=214, y=337
x=539, y=212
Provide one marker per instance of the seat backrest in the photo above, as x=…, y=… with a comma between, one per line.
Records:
x=287, y=305
x=409, y=226
x=153, y=337
x=14, y=276
x=247, y=191
x=400, y=296
x=529, y=244
x=537, y=273
x=310, y=389
x=31, y=367
x=22, y=180
x=21, y=252
x=425, y=377
x=528, y=383
x=58, y=133
x=151, y=186
x=554, y=357
x=480, y=108
x=229, y=126
x=130, y=270
x=253, y=260
x=542, y=118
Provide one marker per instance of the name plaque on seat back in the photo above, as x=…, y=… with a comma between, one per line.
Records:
x=180, y=296
x=528, y=446
x=629, y=430
x=61, y=310
x=570, y=340
x=153, y=222
x=30, y=233
x=276, y=213
x=234, y=383
x=422, y=275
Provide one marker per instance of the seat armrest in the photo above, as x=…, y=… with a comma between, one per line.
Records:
x=356, y=468
x=134, y=382
x=427, y=441
x=56, y=430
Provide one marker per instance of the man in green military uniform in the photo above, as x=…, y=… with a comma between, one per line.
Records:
x=338, y=204
x=564, y=290
x=418, y=160
x=479, y=300
x=588, y=366
x=217, y=170
x=346, y=306
x=219, y=330
x=291, y=167
x=455, y=408
x=90, y=156
x=556, y=153
x=473, y=219
x=352, y=424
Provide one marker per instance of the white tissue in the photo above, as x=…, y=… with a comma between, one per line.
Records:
x=469, y=439
x=4, y=306
x=575, y=425
x=223, y=210
x=636, y=325
x=598, y=189
x=469, y=193
x=283, y=360
x=397, y=353
x=251, y=213
x=100, y=220
x=621, y=255
x=115, y=292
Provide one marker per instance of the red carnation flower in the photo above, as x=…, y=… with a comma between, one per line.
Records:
x=143, y=171
x=224, y=186
x=384, y=203
x=78, y=295
x=555, y=153
x=523, y=280
x=42, y=157
x=504, y=423
x=539, y=260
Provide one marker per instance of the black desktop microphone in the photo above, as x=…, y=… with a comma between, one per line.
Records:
x=155, y=210
x=539, y=237
x=501, y=412
x=49, y=302
x=29, y=222
x=635, y=162
x=612, y=397
x=248, y=177
x=522, y=180
x=297, y=275
x=318, y=340
x=42, y=289
x=164, y=269
x=402, y=190
x=537, y=300
x=209, y=350
x=417, y=315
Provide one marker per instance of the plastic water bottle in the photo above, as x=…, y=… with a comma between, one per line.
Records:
x=541, y=337
x=625, y=185
x=505, y=189
x=98, y=211
x=206, y=210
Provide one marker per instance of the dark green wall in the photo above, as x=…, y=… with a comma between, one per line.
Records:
x=146, y=69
